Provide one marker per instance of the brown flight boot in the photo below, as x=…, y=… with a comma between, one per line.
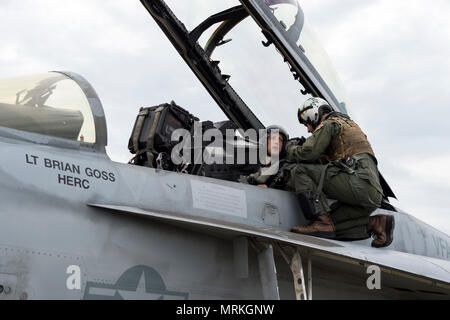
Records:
x=323, y=227
x=382, y=227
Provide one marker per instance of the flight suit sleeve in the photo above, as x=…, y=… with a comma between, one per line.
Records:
x=315, y=145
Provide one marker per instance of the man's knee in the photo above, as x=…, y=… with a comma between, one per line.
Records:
x=371, y=199
x=357, y=192
x=307, y=168
x=307, y=172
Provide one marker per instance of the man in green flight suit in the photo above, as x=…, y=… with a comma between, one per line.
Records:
x=347, y=173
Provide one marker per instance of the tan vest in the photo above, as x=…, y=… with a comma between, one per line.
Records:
x=349, y=142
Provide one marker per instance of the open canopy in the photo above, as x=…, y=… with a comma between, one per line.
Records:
x=233, y=56
x=236, y=44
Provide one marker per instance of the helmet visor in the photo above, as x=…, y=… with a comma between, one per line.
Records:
x=301, y=114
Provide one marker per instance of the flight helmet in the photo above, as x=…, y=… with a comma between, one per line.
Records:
x=278, y=129
x=312, y=111
x=284, y=136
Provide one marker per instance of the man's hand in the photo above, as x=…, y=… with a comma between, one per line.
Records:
x=290, y=145
x=263, y=186
x=300, y=141
x=295, y=142
x=252, y=180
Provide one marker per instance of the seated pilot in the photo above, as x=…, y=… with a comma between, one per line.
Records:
x=274, y=173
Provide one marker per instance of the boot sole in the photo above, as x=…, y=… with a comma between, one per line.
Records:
x=325, y=235
x=390, y=226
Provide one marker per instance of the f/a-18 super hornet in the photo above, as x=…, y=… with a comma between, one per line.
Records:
x=76, y=225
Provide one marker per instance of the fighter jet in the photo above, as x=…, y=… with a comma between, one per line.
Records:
x=76, y=225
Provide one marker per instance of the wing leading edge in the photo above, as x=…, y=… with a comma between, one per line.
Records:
x=434, y=273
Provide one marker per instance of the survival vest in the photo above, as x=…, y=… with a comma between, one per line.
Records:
x=349, y=142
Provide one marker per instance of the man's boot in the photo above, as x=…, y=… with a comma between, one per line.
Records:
x=306, y=201
x=323, y=227
x=382, y=227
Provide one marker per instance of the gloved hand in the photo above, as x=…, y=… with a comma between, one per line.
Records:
x=252, y=180
x=290, y=145
x=301, y=141
x=295, y=142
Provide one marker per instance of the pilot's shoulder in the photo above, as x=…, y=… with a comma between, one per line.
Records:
x=330, y=126
x=330, y=123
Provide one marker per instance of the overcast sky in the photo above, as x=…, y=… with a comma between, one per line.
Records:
x=392, y=57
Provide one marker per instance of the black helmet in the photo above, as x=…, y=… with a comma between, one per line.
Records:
x=280, y=130
x=283, y=134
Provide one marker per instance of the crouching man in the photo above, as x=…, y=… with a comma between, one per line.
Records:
x=348, y=174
